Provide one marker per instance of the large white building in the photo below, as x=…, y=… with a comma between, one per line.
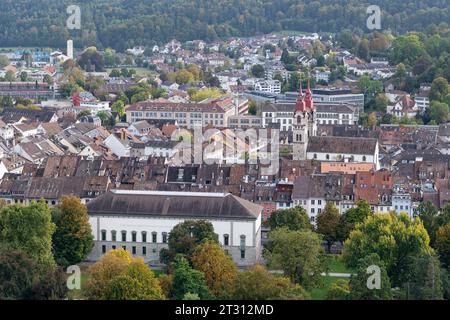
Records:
x=270, y=86
x=141, y=222
x=344, y=149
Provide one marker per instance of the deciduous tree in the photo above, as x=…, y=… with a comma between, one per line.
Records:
x=28, y=229
x=328, y=223
x=72, y=240
x=394, y=238
x=297, y=253
x=293, y=219
x=218, y=267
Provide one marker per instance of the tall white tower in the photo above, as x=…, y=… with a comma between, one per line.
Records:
x=70, y=49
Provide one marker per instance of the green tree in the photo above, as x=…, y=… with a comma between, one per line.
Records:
x=359, y=289
x=28, y=229
x=293, y=219
x=259, y=284
x=442, y=243
x=438, y=112
x=257, y=71
x=17, y=275
x=425, y=282
x=4, y=61
x=206, y=93
x=339, y=290
x=187, y=280
x=297, y=253
x=439, y=89
x=119, y=107
x=328, y=223
x=407, y=49
x=184, y=76
x=394, y=238
x=431, y=218
x=353, y=216
x=91, y=60
x=22, y=278
x=72, y=240
x=186, y=236
x=137, y=283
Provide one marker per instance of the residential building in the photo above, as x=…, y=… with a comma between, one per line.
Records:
x=215, y=112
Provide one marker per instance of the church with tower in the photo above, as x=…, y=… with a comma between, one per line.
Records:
x=304, y=123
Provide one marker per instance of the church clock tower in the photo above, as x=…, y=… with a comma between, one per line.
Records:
x=304, y=124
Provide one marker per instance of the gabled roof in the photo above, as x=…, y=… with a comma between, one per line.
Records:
x=343, y=145
x=194, y=205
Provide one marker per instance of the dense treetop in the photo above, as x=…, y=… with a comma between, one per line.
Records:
x=124, y=23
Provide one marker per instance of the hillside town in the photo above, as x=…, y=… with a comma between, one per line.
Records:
x=229, y=132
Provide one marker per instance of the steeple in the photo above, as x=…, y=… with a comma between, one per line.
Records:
x=309, y=103
x=300, y=105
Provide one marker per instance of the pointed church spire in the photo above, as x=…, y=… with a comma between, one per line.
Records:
x=301, y=89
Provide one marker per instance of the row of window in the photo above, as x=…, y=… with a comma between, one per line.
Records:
x=134, y=236
x=165, y=235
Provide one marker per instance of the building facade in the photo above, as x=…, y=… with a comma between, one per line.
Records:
x=141, y=222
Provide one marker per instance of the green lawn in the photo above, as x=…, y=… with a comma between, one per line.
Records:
x=320, y=293
x=335, y=264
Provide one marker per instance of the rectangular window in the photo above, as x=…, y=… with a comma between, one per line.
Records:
x=103, y=249
x=133, y=250
x=133, y=237
x=114, y=247
x=154, y=237
x=124, y=236
x=113, y=236
x=144, y=251
x=103, y=235
x=242, y=254
x=144, y=237
x=124, y=248
x=164, y=237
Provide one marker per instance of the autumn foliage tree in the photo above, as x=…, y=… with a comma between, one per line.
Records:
x=219, y=269
x=72, y=240
x=118, y=276
x=259, y=284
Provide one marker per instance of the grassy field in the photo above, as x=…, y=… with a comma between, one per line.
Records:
x=320, y=293
x=335, y=264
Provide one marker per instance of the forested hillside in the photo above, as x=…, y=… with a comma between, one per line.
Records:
x=123, y=23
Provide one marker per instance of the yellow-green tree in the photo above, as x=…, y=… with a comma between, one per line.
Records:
x=394, y=238
x=259, y=284
x=120, y=277
x=219, y=269
x=206, y=93
x=28, y=229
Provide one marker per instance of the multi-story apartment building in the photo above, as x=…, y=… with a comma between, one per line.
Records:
x=214, y=113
